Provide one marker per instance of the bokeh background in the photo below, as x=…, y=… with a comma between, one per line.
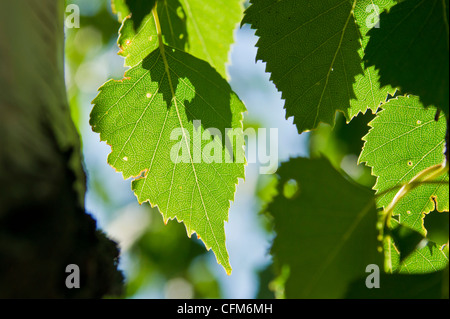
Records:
x=160, y=261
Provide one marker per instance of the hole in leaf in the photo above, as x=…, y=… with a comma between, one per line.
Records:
x=291, y=189
x=437, y=226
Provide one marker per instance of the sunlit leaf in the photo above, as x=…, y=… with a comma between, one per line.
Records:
x=404, y=140
x=406, y=240
x=168, y=92
x=423, y=260
x=367, y=89
x=201, y=28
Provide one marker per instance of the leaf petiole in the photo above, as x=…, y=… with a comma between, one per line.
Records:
x=428, y=175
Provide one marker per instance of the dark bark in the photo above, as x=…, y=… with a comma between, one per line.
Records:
x=43, y=223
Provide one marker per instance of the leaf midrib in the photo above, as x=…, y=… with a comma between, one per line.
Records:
x=174, y=100
x=343, y=240
x=304, y=24
x=332, y=62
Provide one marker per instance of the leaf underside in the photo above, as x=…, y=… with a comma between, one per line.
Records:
x=368, y=92
x=311, y=51
x=137, y=115
x=314, y=51
x=158, y=118
x=201, y=28
x=319, y=229
x=411, y=253
x=422, y=260
x=404, y=140
x=411, y=50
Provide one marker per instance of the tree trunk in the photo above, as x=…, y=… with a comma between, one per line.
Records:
x=43, y=224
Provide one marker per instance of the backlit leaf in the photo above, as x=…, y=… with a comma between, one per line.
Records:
x=411, y=50
x=368, y=94
x=201, y=28
x=171, y=90
x=311, y=50
x=411, y=253
x=404, y=140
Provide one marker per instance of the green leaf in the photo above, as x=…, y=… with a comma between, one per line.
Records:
x=425, y=257
x=411, y=253
x=302, y=51
x=201, y=28
x=326, y=230
x=404, y=140
x=423, y=260
x=411, y=50
x=368, y=93
x=138, y=8
x=134, y=44
x=367, y=16
x=342, y=145
x=406, y=240
x=428, y=286
x=311, y=50
x=170, y=90
x=120, y=8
